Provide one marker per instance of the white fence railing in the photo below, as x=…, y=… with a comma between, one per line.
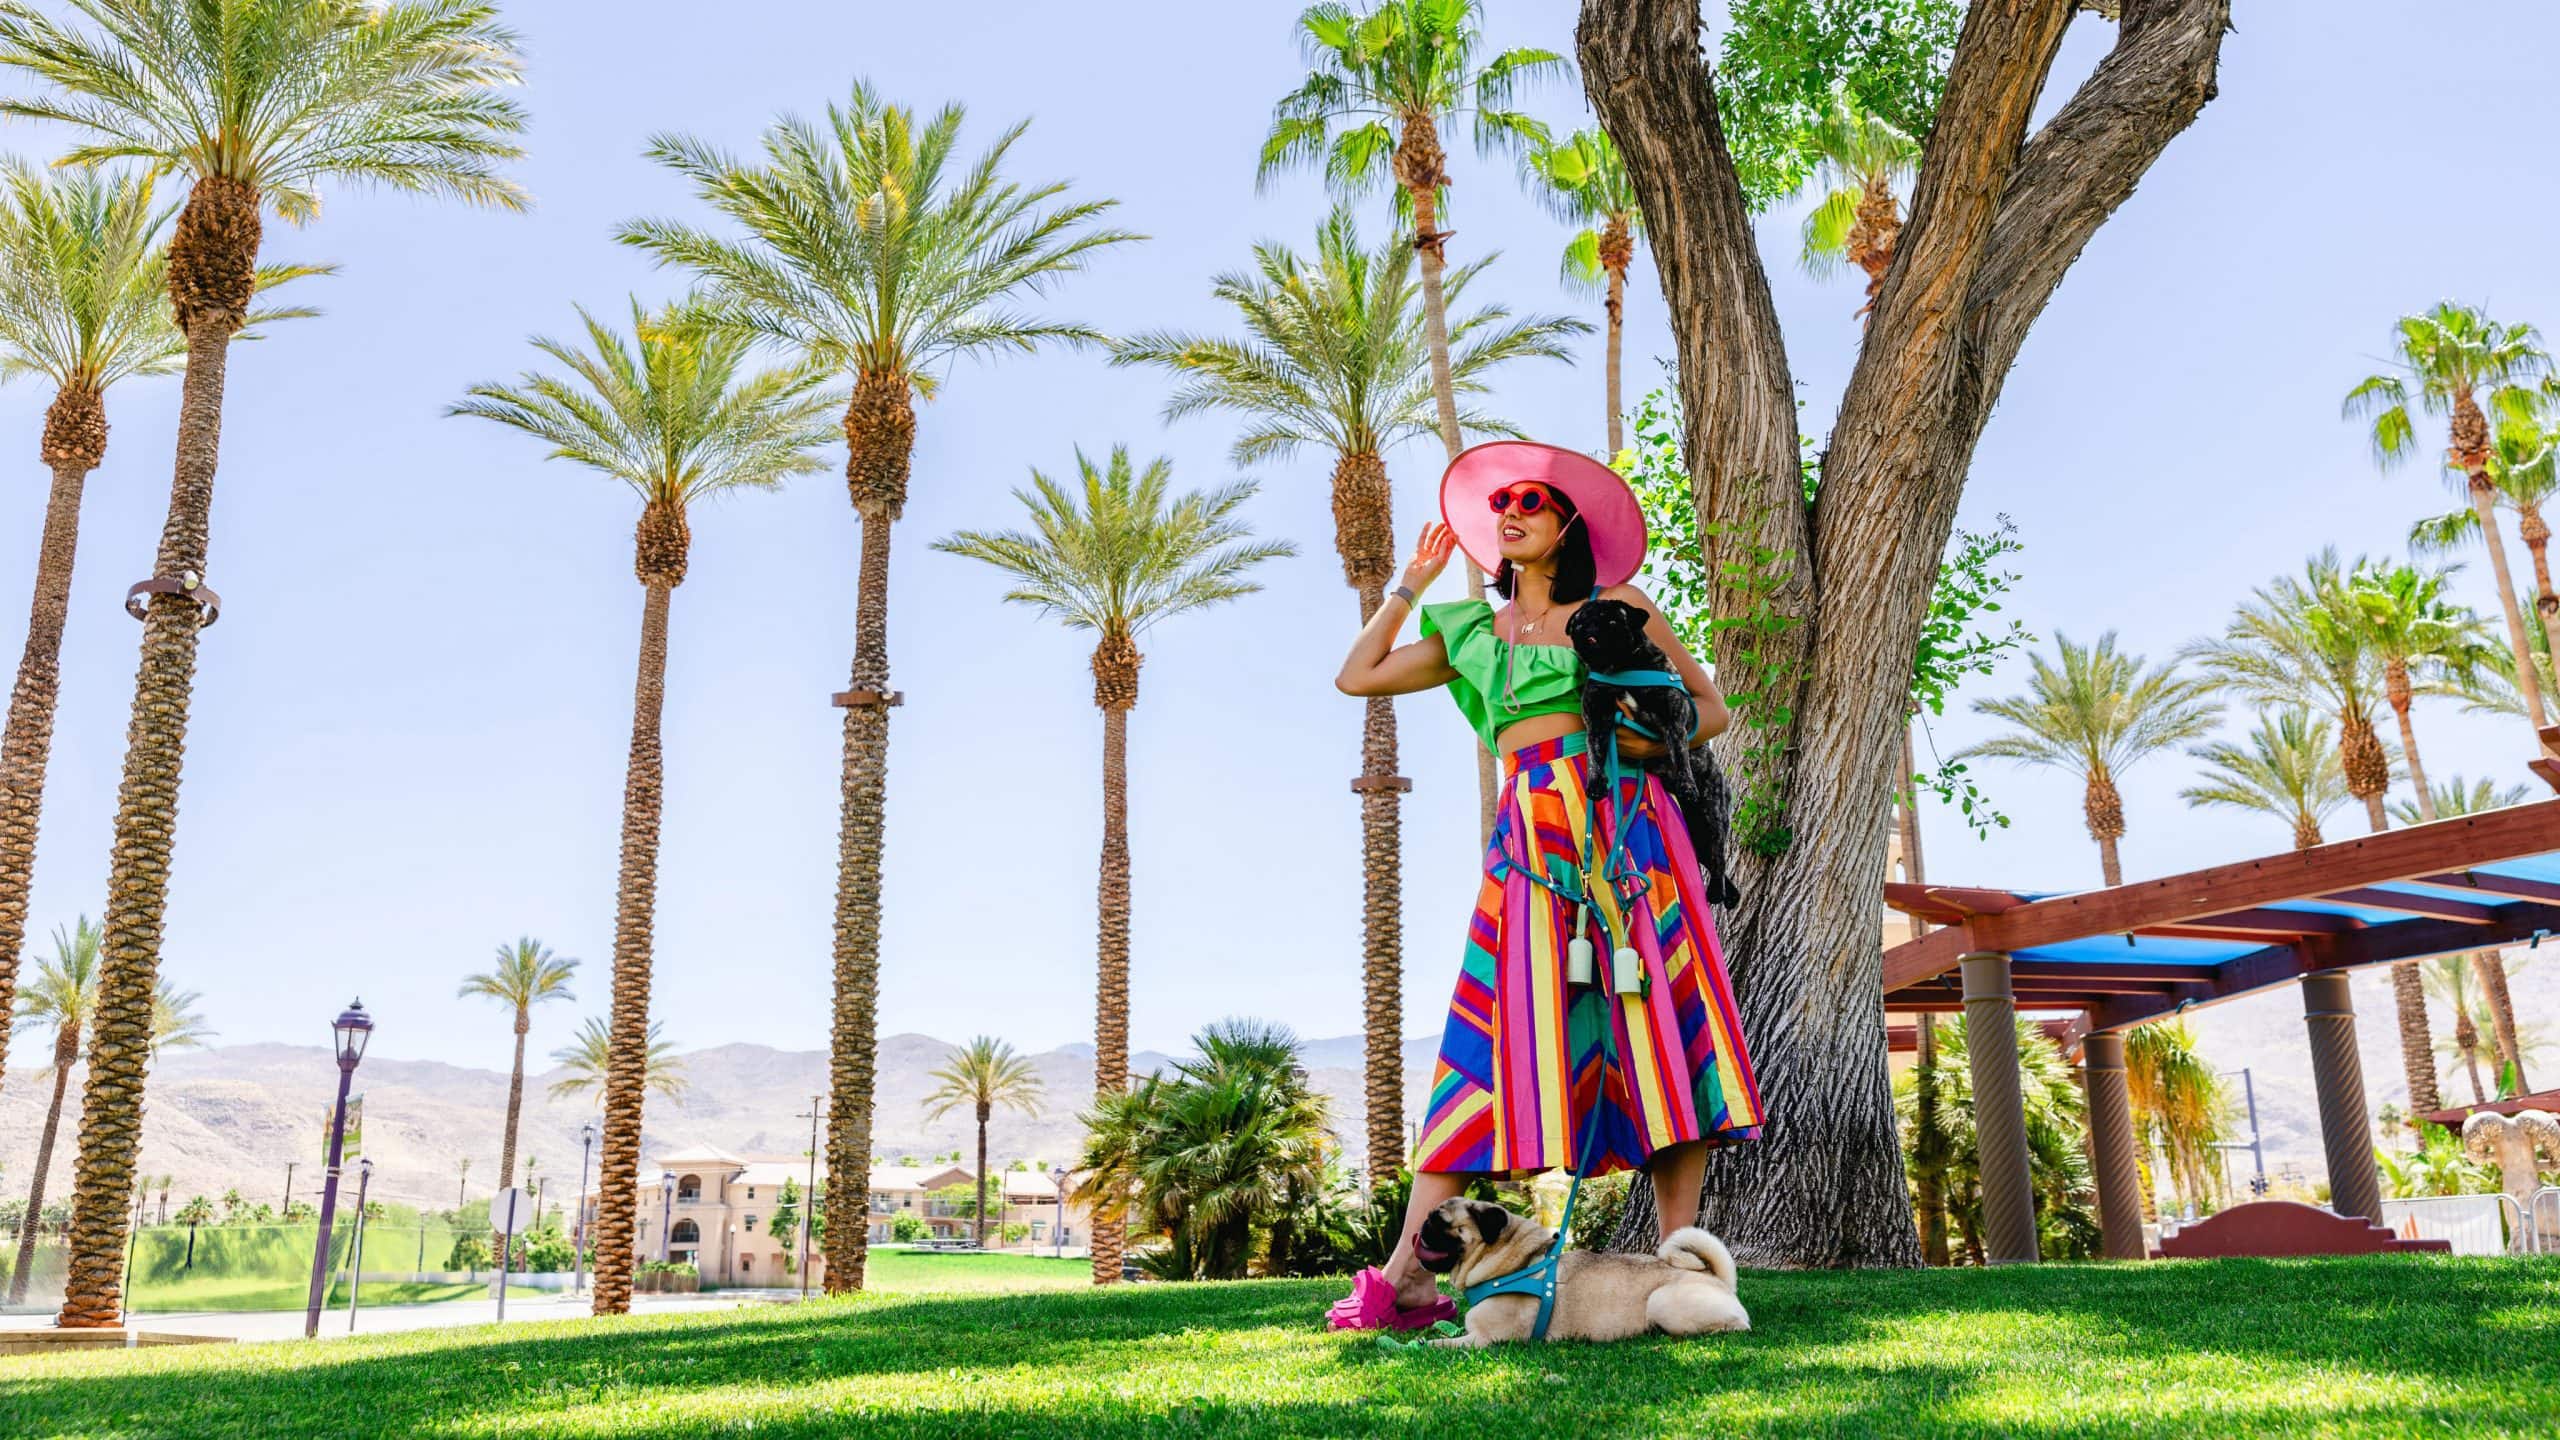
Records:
x=2542, y=1219
x=2476, y=1224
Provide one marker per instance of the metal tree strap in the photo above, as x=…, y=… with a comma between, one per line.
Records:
x=864, y=699
x=135, y=604
x=1380, y=785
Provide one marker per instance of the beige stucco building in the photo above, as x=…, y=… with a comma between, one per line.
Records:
x=718, y=1212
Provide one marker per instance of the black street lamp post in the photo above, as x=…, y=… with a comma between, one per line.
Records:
x=578, y=1232
x=1058, y=1177
x=353, y=1028
x=667, y=1225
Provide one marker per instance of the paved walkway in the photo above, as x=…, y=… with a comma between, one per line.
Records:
x=382, y=1319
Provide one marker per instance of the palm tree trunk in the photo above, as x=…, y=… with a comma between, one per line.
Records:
x=2536, y=534
x=19, y=1274
x=1417, y=167
x=2491, y=968
x=1929, y=1149
x=2528, y=679
x=2400, y=706
x=634, y=922
x=75, y=440
x=2102, y=808
x=2466, y=1038
x=1381, y=932
x=880, y=432
x=1617, y=308
x=212, y=275
x=515, y=1108
x=984, y=1110
x=2417, y=1045
x=1111, y=991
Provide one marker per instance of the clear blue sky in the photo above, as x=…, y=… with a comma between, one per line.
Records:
x=410, y=726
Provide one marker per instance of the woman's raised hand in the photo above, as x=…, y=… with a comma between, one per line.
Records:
x=1430, y=556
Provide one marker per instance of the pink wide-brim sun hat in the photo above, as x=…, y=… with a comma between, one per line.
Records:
x=1608, y=508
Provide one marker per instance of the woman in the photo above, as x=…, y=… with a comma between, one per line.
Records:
x=1557, y=529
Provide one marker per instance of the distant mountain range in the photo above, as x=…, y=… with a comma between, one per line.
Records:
x=236, y=1115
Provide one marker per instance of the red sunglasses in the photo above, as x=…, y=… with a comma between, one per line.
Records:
x=1529, y=495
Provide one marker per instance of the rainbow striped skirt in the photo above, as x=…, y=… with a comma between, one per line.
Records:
x=1522, y=1060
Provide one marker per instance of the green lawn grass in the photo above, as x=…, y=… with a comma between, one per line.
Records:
x=925, y=1272
x=2384, y=1346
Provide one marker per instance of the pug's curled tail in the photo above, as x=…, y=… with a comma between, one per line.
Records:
x=1691, y=1248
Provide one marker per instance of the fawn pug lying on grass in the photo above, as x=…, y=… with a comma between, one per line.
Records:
x=1684, y=1288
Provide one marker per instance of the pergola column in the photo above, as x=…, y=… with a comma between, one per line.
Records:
x=2346, y=1128
x=1999, y=1114
x=2111, y=1151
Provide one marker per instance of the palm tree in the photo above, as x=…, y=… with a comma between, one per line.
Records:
x=589, y=1059
x=2447, y=361
x=258, y=103
x=1381, y=85
x=64, y=996
x=2423, y=641
x=2318, y=641
x=1859, y=160
x=2460, y=797
x=176, y=1025
x=2181, y=1108
x=2057, y=1129
x=1582, y=181
x=525, y=974
x=1228, y=1143
x=2489, y=966
x=2288, y=769
x=672, y=413
x=1115, y=560
x=870, y=254
x=2301, y=642
x=83, y=306
x=2095, y=715
x=2448, y=978
x=984, y=1074
x=1334, y=357
x=2524, y=466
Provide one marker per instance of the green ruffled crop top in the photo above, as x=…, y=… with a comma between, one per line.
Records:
x=1545, y=679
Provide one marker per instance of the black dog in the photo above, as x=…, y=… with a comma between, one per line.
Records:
x=1609, y=636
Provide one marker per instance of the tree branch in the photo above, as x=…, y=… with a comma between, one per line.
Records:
x=1648, y=77
x=2080, y=167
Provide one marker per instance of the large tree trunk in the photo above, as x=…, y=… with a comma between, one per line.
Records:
x=1418, y=169
x=880, y=435
x=1996, y=219
x=1108, y=1238
x=212, y=277
x=626, y=1082
x=66, y=1050
x=75, y=440
x=2417, y=1045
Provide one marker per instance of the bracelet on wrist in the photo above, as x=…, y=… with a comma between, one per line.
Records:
x=1403, y=593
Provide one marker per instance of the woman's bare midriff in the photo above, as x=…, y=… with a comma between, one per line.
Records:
x=1536, y=728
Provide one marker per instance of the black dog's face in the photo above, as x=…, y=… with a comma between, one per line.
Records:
x=1609, y=635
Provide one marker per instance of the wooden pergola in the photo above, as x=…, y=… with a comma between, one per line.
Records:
x=2112, y=959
